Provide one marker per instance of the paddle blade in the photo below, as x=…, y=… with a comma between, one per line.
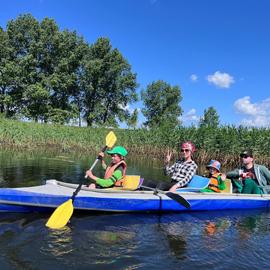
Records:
x=110, y=139
x=179, y=199
x=61, y=215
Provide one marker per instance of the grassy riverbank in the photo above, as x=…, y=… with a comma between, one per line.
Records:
x=223, y=143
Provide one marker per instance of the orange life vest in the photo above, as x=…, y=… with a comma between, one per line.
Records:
x=111, y=169
x=211, y=228
x=214, y=182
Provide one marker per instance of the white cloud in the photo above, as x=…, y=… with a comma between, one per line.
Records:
x=193, y=77
x=244, y=106
x=256, y=114
x=190, y=116
x=221, y=80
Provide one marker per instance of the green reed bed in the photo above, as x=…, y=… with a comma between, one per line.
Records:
x=34, y=135
x=223, y=143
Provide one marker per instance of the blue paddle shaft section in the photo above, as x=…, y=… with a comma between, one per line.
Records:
x=20, y=201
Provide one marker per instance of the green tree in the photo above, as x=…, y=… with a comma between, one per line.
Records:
x=133, y=120
x=161, y=102
x=63, y=81
x=3, y=70
x=60, y=56
x=42, y=57
x=65, y=76
x=108, y=84
x=36, y=101
x=210, y=118
x=58, y=116
x=20, y=64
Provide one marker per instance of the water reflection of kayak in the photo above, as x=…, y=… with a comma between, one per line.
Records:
x=54, y=193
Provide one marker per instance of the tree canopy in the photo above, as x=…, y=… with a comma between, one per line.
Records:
x=55, y=76
x=161, y=101
x=210, y=118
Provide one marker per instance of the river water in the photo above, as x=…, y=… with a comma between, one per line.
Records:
x=208, y=240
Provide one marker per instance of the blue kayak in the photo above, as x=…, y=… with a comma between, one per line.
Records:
x=49, y=196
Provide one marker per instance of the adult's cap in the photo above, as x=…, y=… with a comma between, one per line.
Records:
x=214, y=164
x=247, y=153
x=188, y=145
x=119, y=150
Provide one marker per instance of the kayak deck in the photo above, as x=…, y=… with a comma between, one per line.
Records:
x=54, y=193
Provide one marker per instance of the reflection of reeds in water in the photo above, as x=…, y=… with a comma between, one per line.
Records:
x=59, y=159
x=113, y=237
x=59, y=242
x=2, y=181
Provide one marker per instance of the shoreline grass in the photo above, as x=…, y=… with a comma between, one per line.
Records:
x=223, y=144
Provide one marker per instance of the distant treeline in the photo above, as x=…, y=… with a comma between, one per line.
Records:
x=223, y=143
x=52, y=76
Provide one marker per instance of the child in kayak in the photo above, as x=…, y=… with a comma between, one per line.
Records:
x=217, y=179
x=114, y=173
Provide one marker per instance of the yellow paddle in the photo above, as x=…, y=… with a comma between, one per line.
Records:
x=63, y=213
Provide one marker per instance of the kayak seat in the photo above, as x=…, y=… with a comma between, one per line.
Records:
x=228, y=188
x=196, y=184
x=131, y=182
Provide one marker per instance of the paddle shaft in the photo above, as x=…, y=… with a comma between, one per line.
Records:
x=92, y=167
x=63, y=212
x=97, y=159
x=176, y=197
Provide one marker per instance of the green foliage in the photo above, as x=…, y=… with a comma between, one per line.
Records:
x=210, y=118
x=224, y=144
x=58, y=116
x=109, y=85
x=36, y=102
x=161, y=104
x=47, y=75
x=133, y=120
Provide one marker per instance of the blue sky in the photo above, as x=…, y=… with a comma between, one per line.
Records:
x=217, y=51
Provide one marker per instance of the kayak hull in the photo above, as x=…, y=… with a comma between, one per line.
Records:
x=49, y=196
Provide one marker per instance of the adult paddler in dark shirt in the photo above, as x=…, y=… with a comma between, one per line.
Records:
x=253, y=178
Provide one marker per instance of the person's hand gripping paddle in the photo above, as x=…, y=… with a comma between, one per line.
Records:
x=63, y=212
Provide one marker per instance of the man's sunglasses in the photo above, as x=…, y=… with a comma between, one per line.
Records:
x=244, y=156
x=184, y=150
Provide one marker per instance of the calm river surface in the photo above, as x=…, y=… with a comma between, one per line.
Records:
x=207, y=240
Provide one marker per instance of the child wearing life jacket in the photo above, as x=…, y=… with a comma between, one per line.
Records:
x=114, y=173
x=217, y=179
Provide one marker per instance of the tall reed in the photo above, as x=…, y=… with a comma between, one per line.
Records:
x=223, y=143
